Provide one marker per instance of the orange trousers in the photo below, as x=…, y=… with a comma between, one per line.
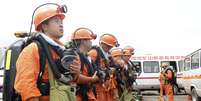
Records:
x=161, y=89
x=90, y=95
x=107, y=91
x=169, y=92
x=161, y=79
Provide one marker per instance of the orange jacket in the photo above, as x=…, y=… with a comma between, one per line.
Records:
x=169, y=74
x=162, y=82
x=27, y=70
x=105, y=91
x=85, y=79
x=169, y=87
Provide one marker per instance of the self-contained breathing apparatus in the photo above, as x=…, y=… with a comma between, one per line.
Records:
x=118, y=70
x=132, y=72
x=61, y=69
x=102, y=72
x=169, y=80
x=125, y=76
x=74, y=44
x=63, y=64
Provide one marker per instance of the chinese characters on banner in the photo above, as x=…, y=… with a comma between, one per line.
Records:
x=157, y=57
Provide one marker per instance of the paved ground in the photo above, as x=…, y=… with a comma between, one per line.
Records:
x=150, y=96
x=176, y=98
x=153, y=96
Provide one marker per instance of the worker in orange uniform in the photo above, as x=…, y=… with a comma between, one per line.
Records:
x=128, y=52
x=162, y=84
x=119, y=70
x=131, y=73
x=100, y=60
x=48, y=20
x=168, y=83
x=81, y=41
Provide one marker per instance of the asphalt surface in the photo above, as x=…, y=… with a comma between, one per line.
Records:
x=151, y=96
x=154, y=96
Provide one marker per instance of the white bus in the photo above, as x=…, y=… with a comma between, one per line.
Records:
x=179, y=73
x=150, y=70
x=190, y=74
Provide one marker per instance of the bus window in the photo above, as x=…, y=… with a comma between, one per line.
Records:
x=200, y=59
x=195, y=61
x=181, y=65
x=151, y=67
x=187, y=64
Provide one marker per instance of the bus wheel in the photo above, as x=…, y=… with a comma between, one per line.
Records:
x=194, y=95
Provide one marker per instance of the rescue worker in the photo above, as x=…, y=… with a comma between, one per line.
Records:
x=118, y=64
x=49, y=21
x=168, y=85
x=81, y=40
x=128, y=52
x=162, y=84
x=130, y=74
x=105, y=90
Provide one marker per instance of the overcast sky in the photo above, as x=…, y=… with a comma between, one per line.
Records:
x=158, y=27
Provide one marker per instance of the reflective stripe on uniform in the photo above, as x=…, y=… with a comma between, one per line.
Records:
x=8, y=59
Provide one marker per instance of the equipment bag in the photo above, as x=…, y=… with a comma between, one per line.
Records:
x=12, y=53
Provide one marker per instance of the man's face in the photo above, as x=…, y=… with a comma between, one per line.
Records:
x=54, y=27
x=105, y=47
x=126, y=57
x=87, y=44
x=163, y=67
x=116, y=58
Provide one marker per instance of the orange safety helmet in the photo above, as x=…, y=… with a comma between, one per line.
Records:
x=45, y=13
x=109, y=39
x=128, y=50
x=83, y=33
x=116, y=52
x=164, y=65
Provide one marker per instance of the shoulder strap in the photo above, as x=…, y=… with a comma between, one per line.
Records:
x=82, y=61
x=99, y=55
x=85, y=61
x=42, y=59
x=97, y=62
x=83, y=88
x=131, y=63
x=134, y=67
